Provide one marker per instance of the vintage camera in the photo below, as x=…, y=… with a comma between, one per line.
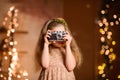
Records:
x=57, y=36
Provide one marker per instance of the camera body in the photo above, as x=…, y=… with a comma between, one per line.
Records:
x=57, y=36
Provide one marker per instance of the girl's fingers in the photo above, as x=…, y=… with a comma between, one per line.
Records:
x=67, y=37
x=67, y=32
x=48, y=32
x=47, y=36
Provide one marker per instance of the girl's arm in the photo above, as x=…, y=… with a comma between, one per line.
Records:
x=45, y=56
x=45, y=52
x=70, y=61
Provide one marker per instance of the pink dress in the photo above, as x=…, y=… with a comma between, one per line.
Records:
x=57, y=69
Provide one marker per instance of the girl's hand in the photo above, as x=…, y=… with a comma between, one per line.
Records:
x=47, y=35
x=68, y=38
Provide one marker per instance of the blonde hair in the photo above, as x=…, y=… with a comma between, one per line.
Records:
x=49, y=25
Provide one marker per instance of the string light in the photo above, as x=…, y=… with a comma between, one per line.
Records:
x=118, y=76
x=102, y=11
x=9, y=50
x=107, y=6
x=106, y=42
x=113, y=42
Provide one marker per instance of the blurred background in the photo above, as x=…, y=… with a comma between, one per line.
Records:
x=94, y=24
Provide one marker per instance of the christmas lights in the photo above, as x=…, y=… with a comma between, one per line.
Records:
x=10, y=68
x=107, y=42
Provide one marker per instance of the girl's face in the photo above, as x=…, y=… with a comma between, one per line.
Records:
x=58, y=43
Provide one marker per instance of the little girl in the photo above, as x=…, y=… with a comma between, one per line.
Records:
x=58, y=58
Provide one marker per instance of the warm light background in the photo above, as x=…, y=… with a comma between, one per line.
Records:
x=81, y=16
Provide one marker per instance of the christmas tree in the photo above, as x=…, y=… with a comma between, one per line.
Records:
x=10, y=69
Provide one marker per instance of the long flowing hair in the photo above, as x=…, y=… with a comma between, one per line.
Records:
x=49, y=25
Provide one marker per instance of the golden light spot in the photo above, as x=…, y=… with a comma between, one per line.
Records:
x=113, y=42
x=102, y=11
